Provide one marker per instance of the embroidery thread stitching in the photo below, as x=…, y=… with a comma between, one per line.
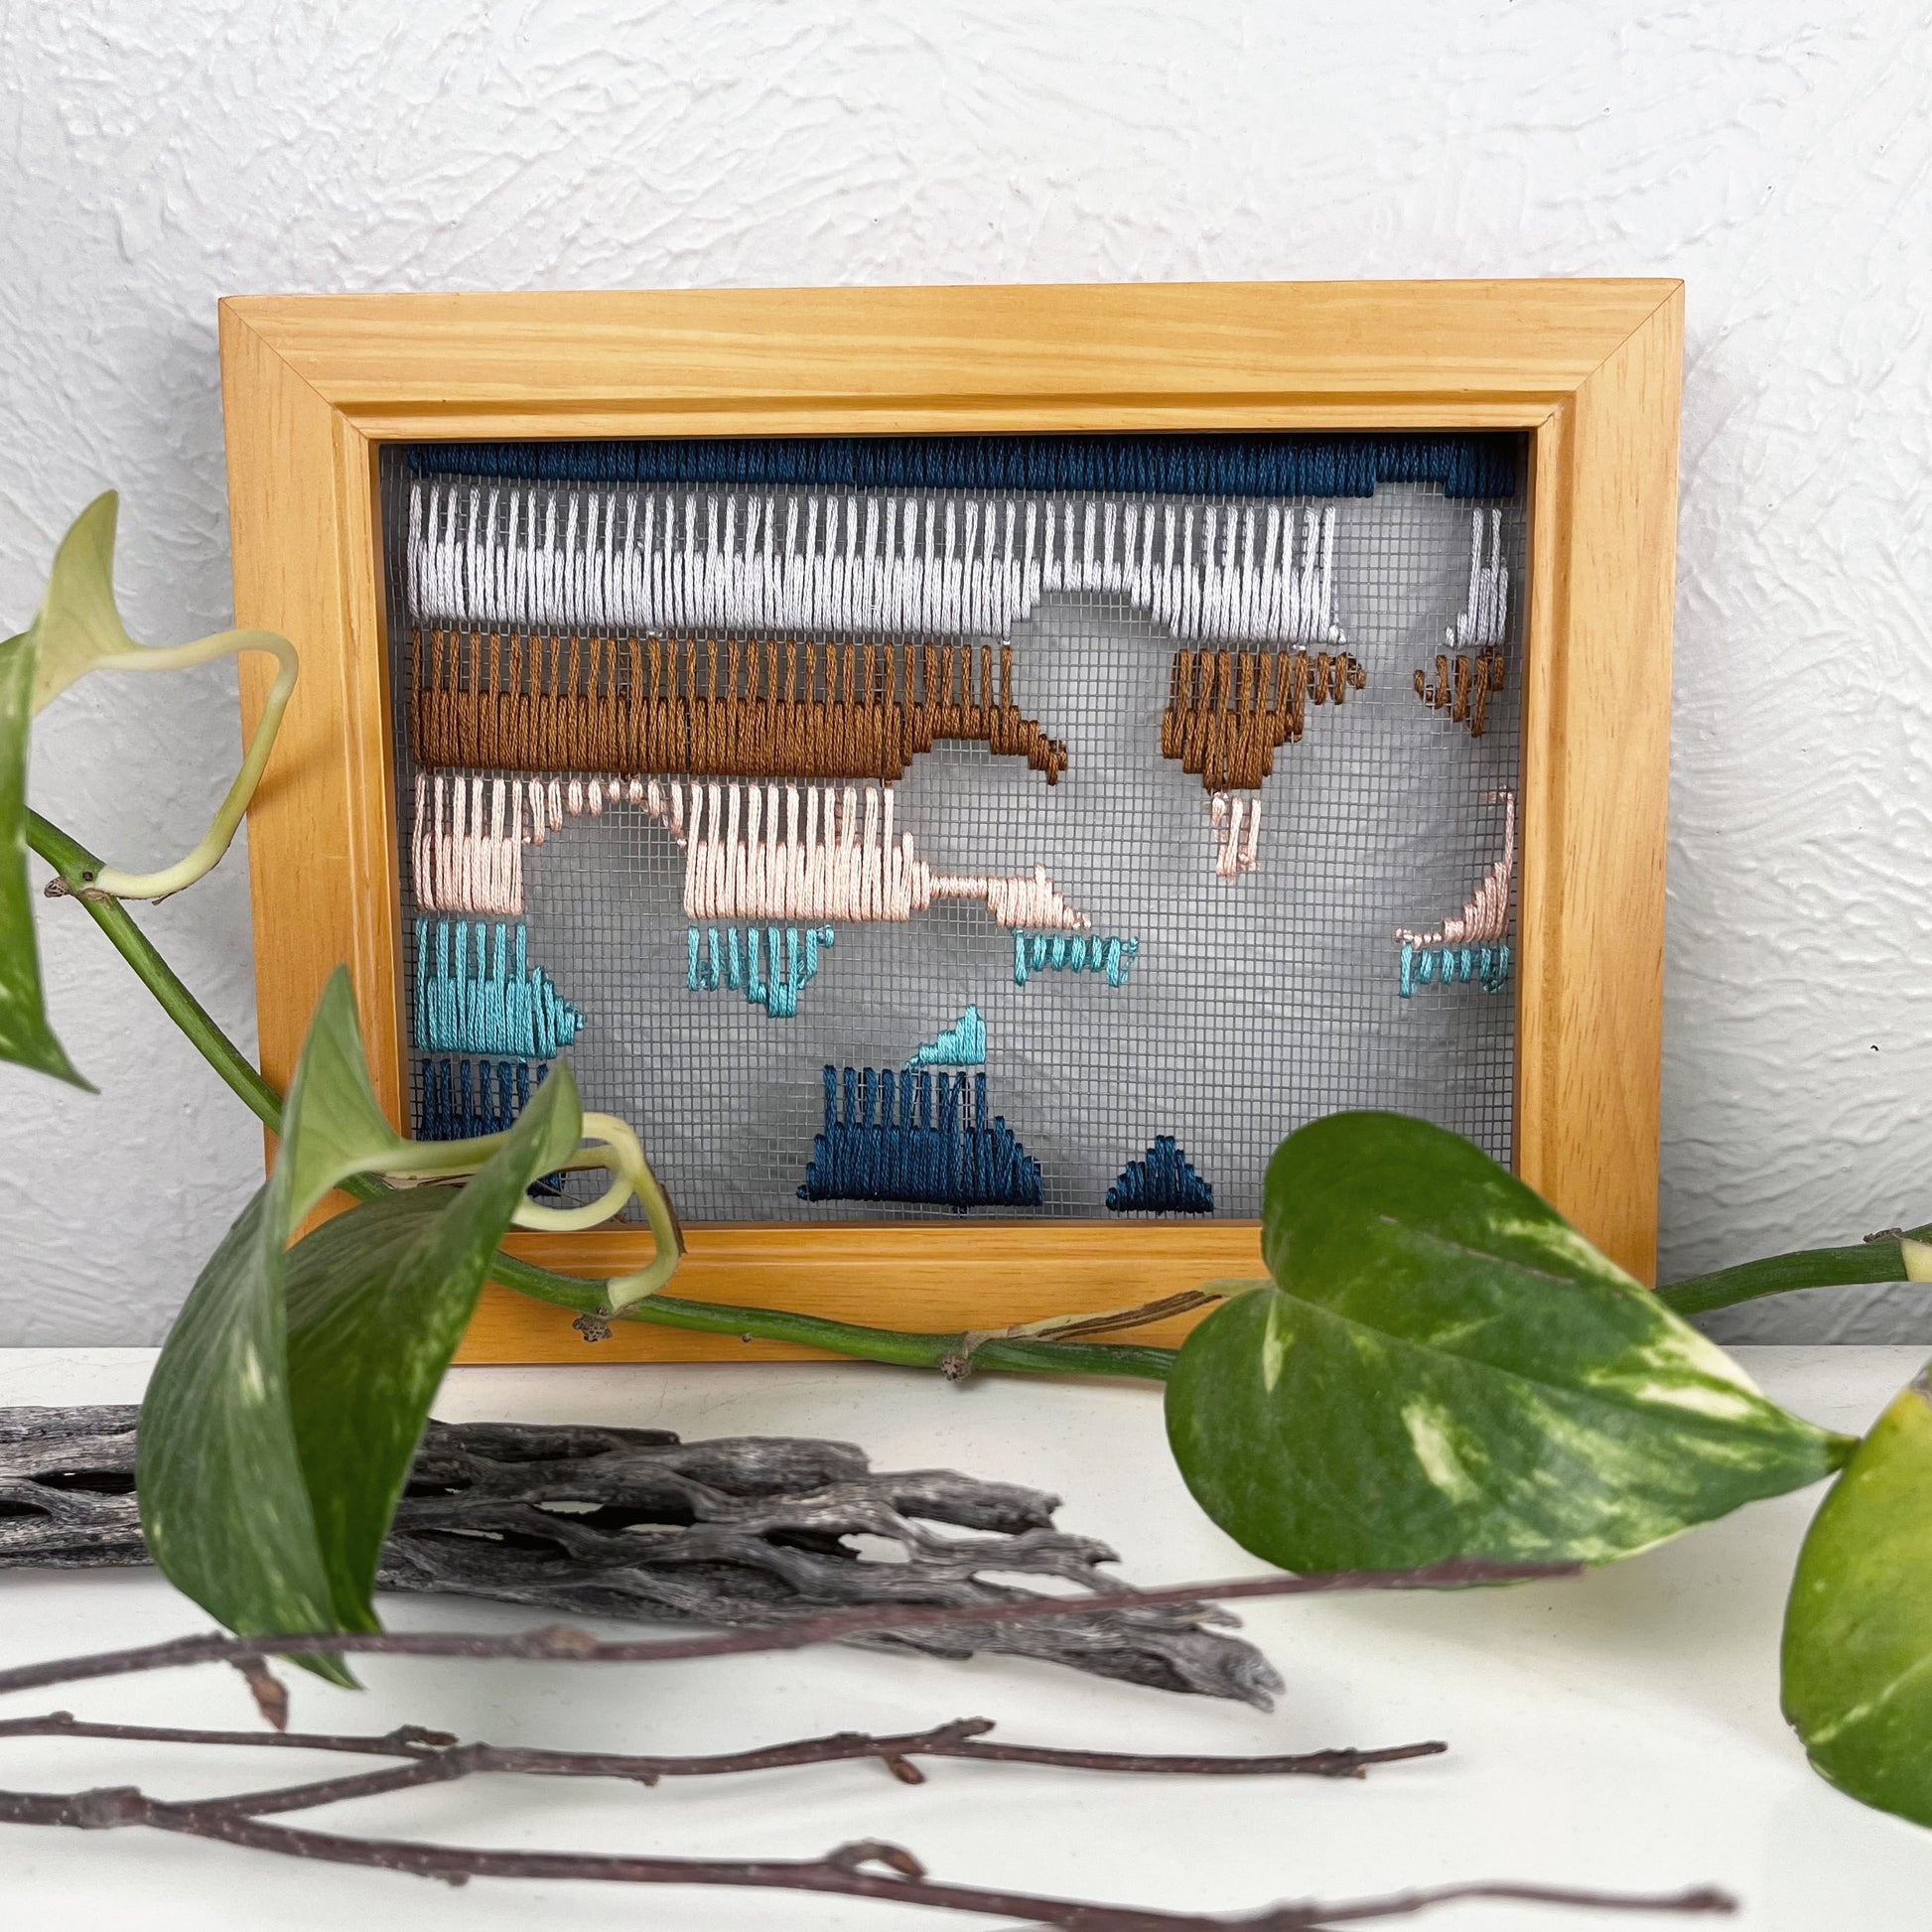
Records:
x=963, y=1045
x=1290, y=463
x=494, y=1004
x=449, y=1109
x=886, y=1138
x=1165, y=1181
x=1040, y=952
x=1471, y=943
x=489, y=559
x=793, y=964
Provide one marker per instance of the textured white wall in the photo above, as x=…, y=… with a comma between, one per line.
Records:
x=159, y=157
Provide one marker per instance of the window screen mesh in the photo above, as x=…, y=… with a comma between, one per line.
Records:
x=1236, y=1008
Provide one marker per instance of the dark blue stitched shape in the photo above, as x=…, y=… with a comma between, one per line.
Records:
x=886, y=1138
x=1165, y=1183
x=462, y=1100
x=1304, y=464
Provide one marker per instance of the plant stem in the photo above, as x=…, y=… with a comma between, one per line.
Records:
x=227, y=818
x=1880, y=1260
x=73, y=860
x=901, y=1347
x=1866, y=1262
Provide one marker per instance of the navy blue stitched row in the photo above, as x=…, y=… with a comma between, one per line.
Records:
x=1165, y=1183
x=1303, y=464
x=888, y=1140
x=453, y=1104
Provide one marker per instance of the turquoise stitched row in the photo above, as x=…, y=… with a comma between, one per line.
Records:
x=1452, y=965
x=960, y=1045
x=1039, y=952
x=496, y=1003
x=710, y=965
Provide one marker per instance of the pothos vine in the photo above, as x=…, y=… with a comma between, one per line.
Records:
x=1436, y=1368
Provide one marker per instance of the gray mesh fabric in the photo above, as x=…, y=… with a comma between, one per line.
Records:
x=1252, y=1004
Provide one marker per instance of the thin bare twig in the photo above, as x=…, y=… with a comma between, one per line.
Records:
x=559, y=1643
x=964, y=1737
x=406, y=1741
x=870, y=1869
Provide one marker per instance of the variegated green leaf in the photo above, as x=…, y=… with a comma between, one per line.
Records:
x=1858, y=1631
x=223, y=1504
x=378, y=1301
x=338, y=1129
x=288, y=1397
x=1441, y=1366
x=79, y=629
x=26, y=1038
x=78, y=625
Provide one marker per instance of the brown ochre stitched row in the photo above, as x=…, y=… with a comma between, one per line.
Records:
x=1464, y=691
x=712, y=709
x=1228, y=710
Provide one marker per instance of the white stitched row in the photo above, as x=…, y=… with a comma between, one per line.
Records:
x=1486, y=914
x=755, y=852
x=457, y=864
x=640, y=561
x=1237, y=834
x=1483, y=621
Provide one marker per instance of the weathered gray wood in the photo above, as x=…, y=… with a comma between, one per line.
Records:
x=632, y=1523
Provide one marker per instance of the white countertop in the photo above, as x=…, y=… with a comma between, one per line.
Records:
x=1619, y=1730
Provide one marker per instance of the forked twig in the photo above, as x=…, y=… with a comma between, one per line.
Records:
x=438, y=1757
x=867, y=1868
x=852, y=1871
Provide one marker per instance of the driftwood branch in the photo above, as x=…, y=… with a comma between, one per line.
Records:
x=634, y=1525
x=869, y=1869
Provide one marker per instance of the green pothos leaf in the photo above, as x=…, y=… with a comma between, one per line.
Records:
x=78, y=625
x=223, y=1504
x=78, y=629
x=1858, y=1630
x=378, y=1301
x=289, y=1397
x=1441, y=1366
x=26, y=1038
x=333, y=1126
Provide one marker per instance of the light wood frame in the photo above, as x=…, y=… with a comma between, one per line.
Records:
x=1590, y=369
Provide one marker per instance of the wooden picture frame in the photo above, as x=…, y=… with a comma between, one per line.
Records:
x=312, y=386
